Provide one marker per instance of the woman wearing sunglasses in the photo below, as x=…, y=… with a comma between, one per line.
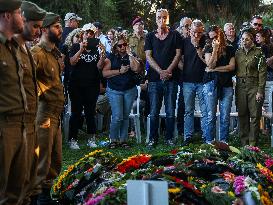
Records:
x=119, y=69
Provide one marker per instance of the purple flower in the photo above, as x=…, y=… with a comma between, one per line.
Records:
x=239, y=185
x=97, y=199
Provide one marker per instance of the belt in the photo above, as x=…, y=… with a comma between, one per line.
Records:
x=18, y=118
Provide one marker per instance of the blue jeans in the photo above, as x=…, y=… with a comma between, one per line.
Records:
x=210, y=96
x=225, y=103
x=121, y=103
x=156, y=91
x=190, y=90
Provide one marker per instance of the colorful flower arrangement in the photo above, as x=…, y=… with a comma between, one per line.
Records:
x=133, y=162
x=206, y=174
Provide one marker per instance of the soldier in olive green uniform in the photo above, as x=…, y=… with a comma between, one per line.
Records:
x=250, y=86
x=13, y=105
x=137, y=39
x=50, y=105
x=33, y=19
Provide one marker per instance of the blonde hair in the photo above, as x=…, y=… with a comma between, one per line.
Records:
x=117, y=39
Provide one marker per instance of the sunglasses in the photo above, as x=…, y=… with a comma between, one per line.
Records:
x=258, y=24
x=123, y=44
x=90, y=32
x=186, y=26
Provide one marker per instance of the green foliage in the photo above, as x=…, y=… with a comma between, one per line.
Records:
x=113, y=13
x=268, y=16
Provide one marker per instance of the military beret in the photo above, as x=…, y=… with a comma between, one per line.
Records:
x=136, y=20
x=50, y=19
x=32, y=12
x=9, y=5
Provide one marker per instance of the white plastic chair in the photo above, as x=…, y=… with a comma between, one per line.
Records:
x=136, y=117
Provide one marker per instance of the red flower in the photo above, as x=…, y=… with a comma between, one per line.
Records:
x=174, y=151
x=159, y=171
x=133, y=162
x=187, y=185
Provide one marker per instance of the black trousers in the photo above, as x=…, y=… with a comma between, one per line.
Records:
x=83, y=98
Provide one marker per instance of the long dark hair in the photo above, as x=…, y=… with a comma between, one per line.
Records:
x=221, y=37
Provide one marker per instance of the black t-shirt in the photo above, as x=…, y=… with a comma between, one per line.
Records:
x=194, y=67
x=268, y=52
x=85, y=72
x=224, y=79
x=124, y=81
x=66, y=31
x=163, y=52
x=234, y=44
x=67, y=66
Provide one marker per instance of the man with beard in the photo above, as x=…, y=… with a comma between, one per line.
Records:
x=50, y=106
x=33, y=19
x=13, y=105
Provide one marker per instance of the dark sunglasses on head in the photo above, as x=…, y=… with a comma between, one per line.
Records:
x=257, y=24
x=123, y=44
x=90, y=32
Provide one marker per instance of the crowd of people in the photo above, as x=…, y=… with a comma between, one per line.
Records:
x=43, y=66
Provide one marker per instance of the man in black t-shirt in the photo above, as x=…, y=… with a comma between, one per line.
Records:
x=71, y=22
x=163, y=54
x=193, y=71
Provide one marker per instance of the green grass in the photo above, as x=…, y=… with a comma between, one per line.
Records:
x=71, y=156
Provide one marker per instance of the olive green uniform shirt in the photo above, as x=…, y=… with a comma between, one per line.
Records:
x=29, y=80
x=12, y=93
x=50, y=88
x=137, y=46
x=251, y=64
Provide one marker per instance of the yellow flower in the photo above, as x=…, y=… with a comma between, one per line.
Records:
x=260, y=188
x=61, y=178
x=174, y=190
x=190, y=178
x=231, y=194
x=203, y=186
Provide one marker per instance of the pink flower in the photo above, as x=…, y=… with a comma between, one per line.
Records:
x=97, y=199
x=217, y=189
x=239, y=185
x=269, y=163
x=254, y=149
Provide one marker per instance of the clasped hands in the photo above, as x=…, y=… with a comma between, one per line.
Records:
x=165, y=75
